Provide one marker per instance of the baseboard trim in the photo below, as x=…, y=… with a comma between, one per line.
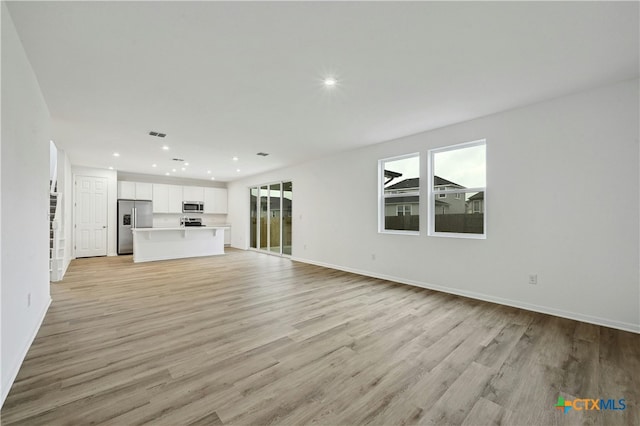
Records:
x=633, y=328
x=6, y=387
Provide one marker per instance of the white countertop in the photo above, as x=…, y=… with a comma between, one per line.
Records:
x=180, y=228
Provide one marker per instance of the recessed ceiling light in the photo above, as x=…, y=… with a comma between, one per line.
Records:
x=167, y=173
x=208, y=172
x=183, y=169
x=115, y=154
x=186, y=164
x=212, y=178
x=330, y=82
x=237, y=170
x=154, y=165
x=166, y=148
x=173, y=170
x=235, y=158
x=110, y=167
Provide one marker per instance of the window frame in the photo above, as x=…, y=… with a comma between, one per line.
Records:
x=431, y=193
x=382, y=196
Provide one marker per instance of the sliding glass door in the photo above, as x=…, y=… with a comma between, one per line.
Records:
x=270, y=217
x=287, y=194
x=263, y=224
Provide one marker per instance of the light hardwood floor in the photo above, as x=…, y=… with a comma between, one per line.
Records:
x=249, y=338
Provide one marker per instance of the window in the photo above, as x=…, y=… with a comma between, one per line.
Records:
x=403, y=210
x=399, y=194
x=459, y=170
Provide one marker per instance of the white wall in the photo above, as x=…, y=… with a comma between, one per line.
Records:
x=551, y=167
x=25, y=204
x=65, y=187
x=112, y=203
x=53, y=164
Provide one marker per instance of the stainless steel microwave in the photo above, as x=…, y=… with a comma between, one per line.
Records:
x=192, y=207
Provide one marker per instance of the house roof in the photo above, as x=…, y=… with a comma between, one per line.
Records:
x=407, y=183
x=414, y=183
x=478, y=196
x=438, y=181
x=391, y=174
x=411, y=199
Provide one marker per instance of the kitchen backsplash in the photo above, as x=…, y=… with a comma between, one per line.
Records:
x=173, y=220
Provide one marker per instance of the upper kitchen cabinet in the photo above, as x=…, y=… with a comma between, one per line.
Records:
x=144, y=191
x=135, y=190
x=215, y=200
x=167, y=198
x=175, y=198
x=160, y=198
x=127, y=190
x=193, y=193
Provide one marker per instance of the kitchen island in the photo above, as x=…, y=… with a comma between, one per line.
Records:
x=151, y=244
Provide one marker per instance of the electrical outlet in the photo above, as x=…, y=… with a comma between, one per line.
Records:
x=533, y=279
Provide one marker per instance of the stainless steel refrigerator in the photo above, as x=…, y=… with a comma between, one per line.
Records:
x=132, y=214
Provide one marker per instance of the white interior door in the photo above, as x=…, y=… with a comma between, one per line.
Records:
x=91, y=216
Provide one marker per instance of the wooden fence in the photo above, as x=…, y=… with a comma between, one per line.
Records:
x=402, y=223
x=461, y=223
x=274, y=231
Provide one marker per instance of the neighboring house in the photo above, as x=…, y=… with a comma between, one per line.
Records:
x=475, y=204
x=408, y=205
x=402, y=206
x=448, y=203
x=275, y=207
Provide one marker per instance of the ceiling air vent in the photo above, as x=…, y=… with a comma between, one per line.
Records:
x=177, y=159
x=158, y=134
x=262, y=154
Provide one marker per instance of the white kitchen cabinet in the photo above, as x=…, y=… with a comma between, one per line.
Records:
x=160, y=198
x=215, y=200
x=126, y=190
x=144, y=191
x=167, y=198
x=135, y=191
x=193, y=193
x=175, y=198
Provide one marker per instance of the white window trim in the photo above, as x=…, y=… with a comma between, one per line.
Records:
x=382, y=196
x=431, y=194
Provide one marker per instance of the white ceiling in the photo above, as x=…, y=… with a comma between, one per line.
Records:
x=226, y=79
